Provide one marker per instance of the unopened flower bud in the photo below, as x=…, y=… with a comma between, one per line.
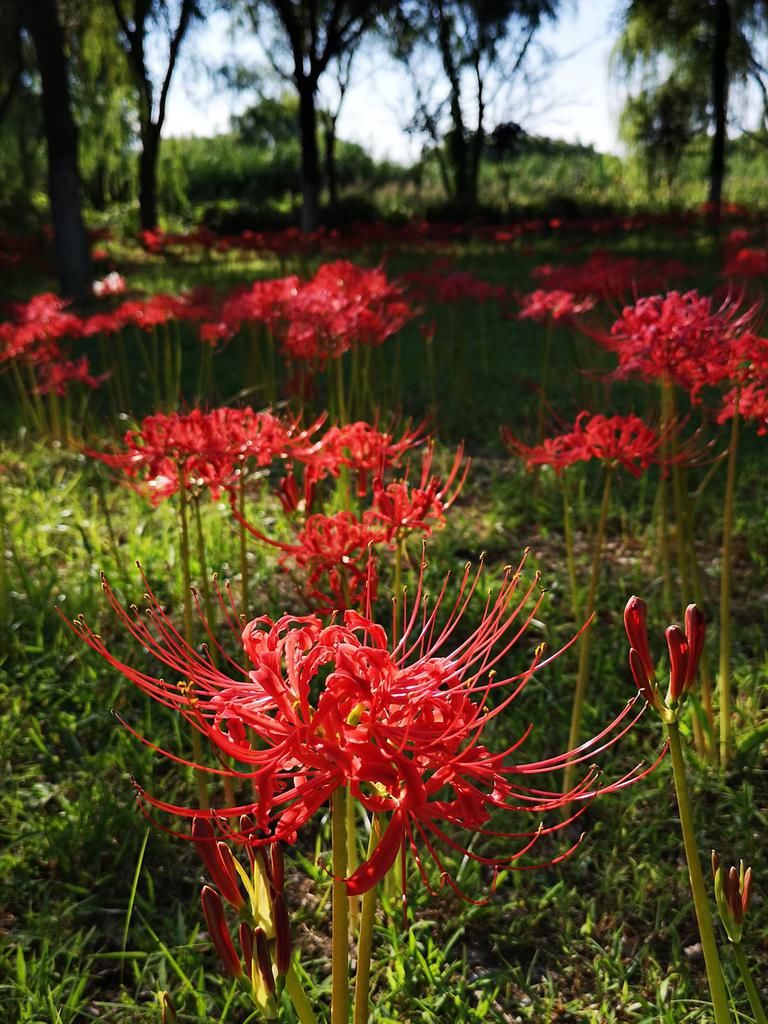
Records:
x=278, y=867
x=245, y=933
x=635, y=623
x=263, y=959
x=213, y=909
x=282, y=934
x=219, y=860
x=639, y=674
x=695, y=629
x=732, y=892
x=678, y=663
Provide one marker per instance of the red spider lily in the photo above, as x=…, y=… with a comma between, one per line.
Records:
x=681, y=338
x=751, y=400
x=402, y=509
x=733, y=889
x=204, y=449
x=320, y=706
x=747, y=263
x=624, y=441
x=332, y=553
x=684, y=647
x=363, y=448
x=542, y=305
x=56, y=375
x=607, y=277
x=442, y=285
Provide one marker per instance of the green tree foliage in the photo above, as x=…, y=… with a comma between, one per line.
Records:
x=684, y=61
x=474, y=40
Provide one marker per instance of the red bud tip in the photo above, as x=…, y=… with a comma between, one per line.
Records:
x=232, y=892
x=695, y=628
x=635, y=623
x=715, y=863
x=678, y=662
x=263, y=959
x=733, y=895
x=213, y=909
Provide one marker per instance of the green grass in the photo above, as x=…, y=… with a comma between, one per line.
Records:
x=91, y=929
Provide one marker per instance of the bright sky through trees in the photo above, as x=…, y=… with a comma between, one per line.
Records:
x=574, y=101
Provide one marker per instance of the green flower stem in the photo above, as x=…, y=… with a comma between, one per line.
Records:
x=243, y=541
x=197, y=745
x=298, y=997
x=544, y=383
x=340, y=912
x=586, y=639
x=341, y=408
x=698, y=888
x=724, y=680
x=352, y=860
x=365, y=941
x=746, y=976
x=569, y=552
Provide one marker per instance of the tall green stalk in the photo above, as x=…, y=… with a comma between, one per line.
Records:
x=197, y=745
x=569, y=548
x=724, y=676
x=243, y=542
x=339, y=911
x=365, y=941
x=698, y=888
x=749, y=984
x=586, y=639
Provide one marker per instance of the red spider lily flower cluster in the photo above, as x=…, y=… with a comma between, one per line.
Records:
x=747, y=263
x=403, y=509
x=624, y=441
x=604, y=276
x=682, y=338
x=685, y=648
x=542, y=305
x=318, y=320
x=318, y=707
x=38, y=337
x=204, y=449
x=335, y=552
x=733, y=888
x=442, y=284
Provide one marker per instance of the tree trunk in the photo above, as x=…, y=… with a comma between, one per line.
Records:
x=70, y=239
x=310, y=160
x=719, y=105
x=330, y=162
x=150, y=147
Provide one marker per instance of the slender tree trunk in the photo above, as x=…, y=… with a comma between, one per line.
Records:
x=719, y=104
x=70, y=240
x=150, y=147
x=330, y=162
x=310, y=160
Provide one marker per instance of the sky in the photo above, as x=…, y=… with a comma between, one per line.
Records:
x=574, y=100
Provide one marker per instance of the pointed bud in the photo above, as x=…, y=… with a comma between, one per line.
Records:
x=222, y=871
x=213, y=909
x=678, y=663
x=695, y=628
x=636, y=625
x=245, y=933
x=278, y=866
x=263, y=959
x=282, y=934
